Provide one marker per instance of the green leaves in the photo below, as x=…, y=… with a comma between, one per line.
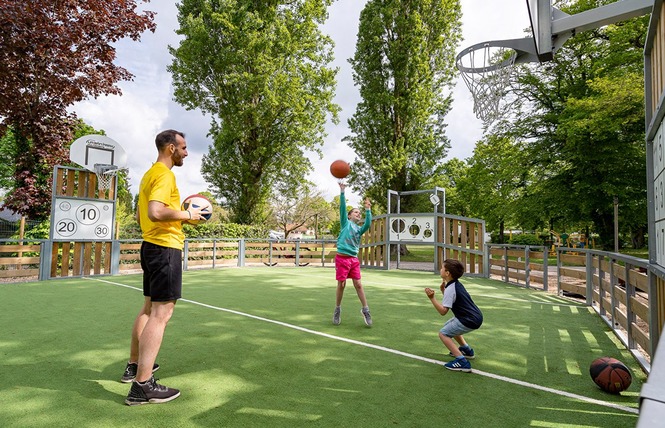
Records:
x=53, y=55
x=582, y=118
x=261, y=70
x=403, y=66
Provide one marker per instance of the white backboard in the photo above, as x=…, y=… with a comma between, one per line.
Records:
x=97, y=149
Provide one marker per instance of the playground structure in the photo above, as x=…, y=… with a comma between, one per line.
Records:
x=571, y=240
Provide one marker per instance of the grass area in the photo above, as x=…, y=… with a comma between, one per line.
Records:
x=419, y=253
x=641, y=253
x=255, y=347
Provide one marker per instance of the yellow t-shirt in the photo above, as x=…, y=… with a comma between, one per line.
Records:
x=158, y=184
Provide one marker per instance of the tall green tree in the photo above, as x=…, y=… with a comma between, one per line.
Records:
x=495, y=181
x=453, y=172
x=404, y=69
x=52, y=55
x=583, y=116
x=260, y=69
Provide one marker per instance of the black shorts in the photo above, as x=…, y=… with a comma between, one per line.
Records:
x=162, y=272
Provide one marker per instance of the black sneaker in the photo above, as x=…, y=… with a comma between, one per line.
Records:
x=130, y=372
x=150, y=392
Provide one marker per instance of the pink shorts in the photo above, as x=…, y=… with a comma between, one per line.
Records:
x=346, y=267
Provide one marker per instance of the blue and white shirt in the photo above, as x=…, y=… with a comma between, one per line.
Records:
x=459, y=301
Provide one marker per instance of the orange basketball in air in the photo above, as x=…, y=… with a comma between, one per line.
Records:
x=340, y=168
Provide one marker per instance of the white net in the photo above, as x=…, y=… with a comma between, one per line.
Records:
x=105, y=174
x=486, y=71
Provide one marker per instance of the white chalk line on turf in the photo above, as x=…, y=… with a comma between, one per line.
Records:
x=397, y=352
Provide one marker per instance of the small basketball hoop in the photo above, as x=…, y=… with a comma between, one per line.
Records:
x=105, y=174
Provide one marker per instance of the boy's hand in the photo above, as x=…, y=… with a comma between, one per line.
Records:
x=342, y=186
x=368, y=204
x=429, y=292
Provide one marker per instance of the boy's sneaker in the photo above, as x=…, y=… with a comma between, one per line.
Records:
x=337, y=316
x=150, y=392
x=466, y=353
x=366, y=316
x=459, y=365
x=130, y=372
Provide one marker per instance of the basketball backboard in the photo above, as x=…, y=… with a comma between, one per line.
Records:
x=540, y=15
x=97, y=149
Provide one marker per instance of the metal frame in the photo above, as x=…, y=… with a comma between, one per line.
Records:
x=399, y=195
x=565, y=26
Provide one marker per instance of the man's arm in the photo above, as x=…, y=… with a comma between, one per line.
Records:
x=158, y=211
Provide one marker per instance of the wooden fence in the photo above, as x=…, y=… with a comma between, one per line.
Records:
x=521, y=265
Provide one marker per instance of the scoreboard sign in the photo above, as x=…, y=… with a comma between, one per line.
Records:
x=412, y=228
x=76, y=219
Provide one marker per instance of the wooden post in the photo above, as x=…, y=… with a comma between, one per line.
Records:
x=21, y=229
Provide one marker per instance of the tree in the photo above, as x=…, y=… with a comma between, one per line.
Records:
x=609, y=124
x=7, y=169
x=304, y=207
x=404, y=69
x=583, y=117
x=453, y=172
x=494, y=182
x=260, y=69
x=54, y=54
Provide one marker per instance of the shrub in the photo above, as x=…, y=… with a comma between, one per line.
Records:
x=225, y=230
x=526, y=239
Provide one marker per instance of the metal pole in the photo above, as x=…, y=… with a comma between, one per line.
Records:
x=616, y=224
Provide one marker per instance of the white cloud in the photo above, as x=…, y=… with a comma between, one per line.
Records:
x=146, y=106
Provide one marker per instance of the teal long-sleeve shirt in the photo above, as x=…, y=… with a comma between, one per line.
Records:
x=348, y=242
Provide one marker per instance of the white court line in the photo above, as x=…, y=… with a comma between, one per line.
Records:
x=396, y=352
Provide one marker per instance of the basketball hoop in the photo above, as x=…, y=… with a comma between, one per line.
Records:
x=105, y=174
x=486, y=68
x=486, y=71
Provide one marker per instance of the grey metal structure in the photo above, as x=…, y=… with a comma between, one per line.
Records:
x=484, y=66
x=652, y=395
x=439, y=206
x=563, y=27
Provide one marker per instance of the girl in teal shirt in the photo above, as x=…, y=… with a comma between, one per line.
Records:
x=347, y=264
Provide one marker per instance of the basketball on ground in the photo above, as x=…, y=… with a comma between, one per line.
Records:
x=198, y=201
x=340, y=169
x=610, y=374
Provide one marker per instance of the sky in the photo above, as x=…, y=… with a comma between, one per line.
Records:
x=146, y=105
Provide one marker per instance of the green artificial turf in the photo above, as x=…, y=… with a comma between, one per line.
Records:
x=255, y=347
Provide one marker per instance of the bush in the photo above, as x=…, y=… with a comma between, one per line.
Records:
x=37, y=230
x=225, y=230
x=526, y=239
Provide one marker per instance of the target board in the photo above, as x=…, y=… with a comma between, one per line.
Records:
x=659, y=193
x=412, y=228
x=80, y=219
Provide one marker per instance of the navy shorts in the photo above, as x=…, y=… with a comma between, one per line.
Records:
x=162, y=272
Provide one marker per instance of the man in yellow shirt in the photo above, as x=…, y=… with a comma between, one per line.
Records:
x=161, y=220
